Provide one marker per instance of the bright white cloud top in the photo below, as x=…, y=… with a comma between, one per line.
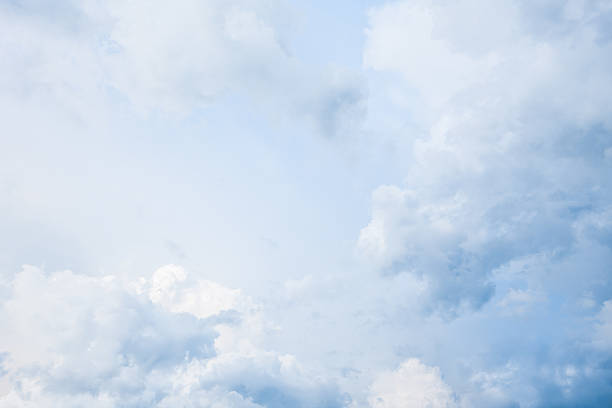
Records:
x=267, y=203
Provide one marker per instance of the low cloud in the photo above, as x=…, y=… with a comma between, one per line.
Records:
x=74, y=340
x=412, y=385
x=509, y=160
x=170, y=59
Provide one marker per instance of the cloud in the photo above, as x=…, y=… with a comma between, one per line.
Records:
x=517, y=301
x=509, y=157
x=483, y=275
x=412, y=385
x=185, y=55
x=169, y=288
x=603, y=327
x=161, y=58
x=73, y=340
x=503, y=211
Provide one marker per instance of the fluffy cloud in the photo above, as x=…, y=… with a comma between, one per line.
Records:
x=73, y=340
x=505, y=206
x=492, y=256
x=187, y=53
x=412, y=385
x=170, y=58
x=509, y=160
x=170, y=288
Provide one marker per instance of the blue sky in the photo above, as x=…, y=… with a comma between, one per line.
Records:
x=268, y=203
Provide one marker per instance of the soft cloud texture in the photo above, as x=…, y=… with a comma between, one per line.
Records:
x=507, y=164
x=446, y=243
x=505, y=203
x=411, y=385
x=171, y=58
x=72, y=340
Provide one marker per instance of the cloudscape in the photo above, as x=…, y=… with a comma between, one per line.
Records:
x=322, y=204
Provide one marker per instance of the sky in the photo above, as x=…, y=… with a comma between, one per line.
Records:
x=283, y=204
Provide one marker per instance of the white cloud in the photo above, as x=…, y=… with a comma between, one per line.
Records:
x=176, y=56
x=498, y=112
x=412, y=385
x=441, y=50
x=72, y=340
x=92, y=57
x=506, y=163
x=170, y=288
x=505, y=202
x=517, y=302
x=403, y=37
x=495, y=388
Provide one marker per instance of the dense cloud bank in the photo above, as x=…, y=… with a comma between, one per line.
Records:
x=71, y=340
x=512, y=160
x=479, y=134
x=508, y=196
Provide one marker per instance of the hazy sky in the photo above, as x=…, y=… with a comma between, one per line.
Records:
x=283, y=204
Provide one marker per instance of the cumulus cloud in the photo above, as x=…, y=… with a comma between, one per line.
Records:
x=74, y=340
x=505, y=205
x=170, y=58
x=492, y=256
x=170, y=288
x=412, y=385
x=185, y=55
x=509, y=157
